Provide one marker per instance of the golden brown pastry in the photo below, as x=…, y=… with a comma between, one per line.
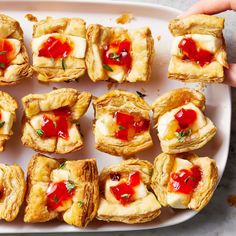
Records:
x=180, y=121
x=59, y=47
x=118, y=54
x=50, y=123
x=67, y=190
x=8, y=106
x=198, y=50
x=14, y=60
x=122, y=123
x=12, y=191
x=125, y=193
x=184, y=180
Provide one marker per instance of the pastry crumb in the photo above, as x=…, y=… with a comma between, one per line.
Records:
x=110, y=85
x=124, y=18
x=158, y=37
x=232, y=200
x=201, y=87
x=31, y=17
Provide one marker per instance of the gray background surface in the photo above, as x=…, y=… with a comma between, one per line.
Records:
x=218, y=218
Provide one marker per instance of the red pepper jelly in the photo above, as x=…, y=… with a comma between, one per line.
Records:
x=124, y=192
x=185, y=181
x=55, y=48
x=57, y=127
x=185, y=117
x=193, y=53
x=6, y=51
x=57, y=193
x=129, y=125
x=118, y=53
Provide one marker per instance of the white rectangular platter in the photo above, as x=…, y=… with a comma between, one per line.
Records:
x=157, y=18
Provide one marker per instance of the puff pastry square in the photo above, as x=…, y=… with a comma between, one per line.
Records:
x=8, y=106
x=198, y=51
x=118, y=54
x=180, y=120
x=50, y=123
x=125, y=193
x=66, y=190
x=14, y=60
x=59, y=47
x=184, y=180
x=122, y=123
x=12, y=191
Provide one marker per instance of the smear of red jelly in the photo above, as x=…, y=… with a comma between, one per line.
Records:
x=185, y=181
x=55, y=48
x=129, y=125
x=122, y=56
x=124, y=192
x=6, y=51
x=193, y=53
x=57, y=193
x=185, y=117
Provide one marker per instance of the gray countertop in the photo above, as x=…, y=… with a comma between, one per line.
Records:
x=218, y=218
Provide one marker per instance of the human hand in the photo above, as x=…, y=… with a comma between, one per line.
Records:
x=213, y=7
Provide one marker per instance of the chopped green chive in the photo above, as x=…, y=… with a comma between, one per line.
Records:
x=55, y=198
x=2, y=65
x=182, y=134
x=121, y=127
x=52, y=59
x=70, y=185
x=126, y=195
x=2, y=123
x=62, y=165
x=63, y=63
x=39, y=132
x=106, y=67
x=142, y=95
x=80, y=203
x=3, y=53
x=114, y=56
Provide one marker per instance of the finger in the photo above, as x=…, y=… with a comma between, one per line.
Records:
x=230, y=75
x=209, y=7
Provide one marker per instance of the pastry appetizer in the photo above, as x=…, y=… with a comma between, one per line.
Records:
x=65, y=190
x=180, y=121
x=14, y=60
x=118, y=54
x=8, y=106
x=122, y=123
x=125, y=193
x=59, y=47
x=50, y=122
x=184, y=180
x=12, y=191
x=198, y=51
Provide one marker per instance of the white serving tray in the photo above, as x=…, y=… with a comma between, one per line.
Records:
x=157, y=18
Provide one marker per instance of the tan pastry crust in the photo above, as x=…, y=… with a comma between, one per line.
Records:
x=188, y=71
x=9, y=104
x=35, y=104
x=12, y=188
x=84, y=202
x=174, y=99
x=163, y=165
x=142, y=50
x=52, y=70
x=19, y=67
x=112, y=102
x=142, y=210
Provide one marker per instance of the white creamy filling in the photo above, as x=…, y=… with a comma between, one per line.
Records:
x=7, y=119
x=105, y=125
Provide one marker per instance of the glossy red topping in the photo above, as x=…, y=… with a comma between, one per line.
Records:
x=6, y=51
x=57, y=193
x=185, y=181
x=59, y=126
x=129, y=125
x=118, y=53
x=55, y=48
x=124, y=192
x=193, y=53
x=185, y=117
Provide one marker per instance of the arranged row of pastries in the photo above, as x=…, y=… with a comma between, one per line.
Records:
x=63, y=49
x=121, y=122
x=132, y=191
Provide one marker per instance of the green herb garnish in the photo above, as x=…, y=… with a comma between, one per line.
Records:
x=70, y=185
x=3, y=53
x=52, y=59
x=106, y=67
x=114, y=56
x=55, y=198
x=39, y=132
x=126, y=195
x=62, y=165
x=63, y=63
x=2, y=123
x=80, y=203
x=121, y=127
x=2, y=65
x=182, y=134
x=142, y=95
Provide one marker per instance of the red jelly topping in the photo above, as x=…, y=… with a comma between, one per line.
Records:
x=120, y=54
x=185, y=181
x=59, y=126
x=185, y=117
x=57, y=193
x=6, y=51
x=129, y=125
x=124, y=192
x=192, y=52
x=55, y=48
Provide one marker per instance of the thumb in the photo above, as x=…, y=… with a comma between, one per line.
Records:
x=230, y=75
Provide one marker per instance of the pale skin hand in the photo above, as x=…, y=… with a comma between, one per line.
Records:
x=213, y=7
